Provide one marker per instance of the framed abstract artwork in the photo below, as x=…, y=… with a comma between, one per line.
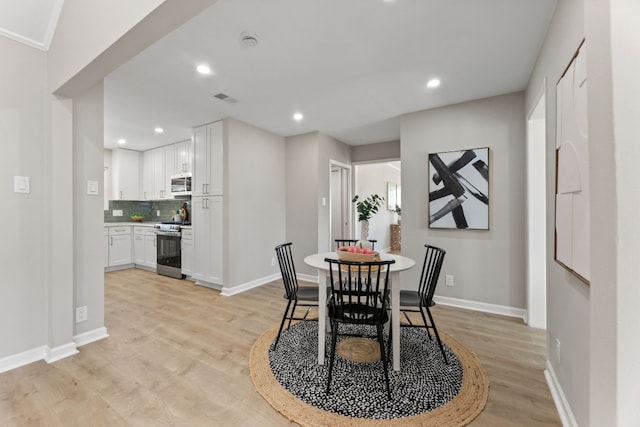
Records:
x=459, y=189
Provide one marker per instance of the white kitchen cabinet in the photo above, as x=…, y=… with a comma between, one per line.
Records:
x=207, y=228
x=106, y=247
x=208, y=142
x=120, y=246
x=148, y=179
x=187, y=251
x=125, y=166
x=144, y=247
x=156, y=177
x=183, y=157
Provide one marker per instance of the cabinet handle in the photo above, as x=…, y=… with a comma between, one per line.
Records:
x=111, y=239
x=144, y=194
x=120, y=194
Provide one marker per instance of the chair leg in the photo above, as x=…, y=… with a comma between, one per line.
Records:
x=295, y=304
x=284, y=317
x=390, y=337
x=334, y=338
x=435, y=330
x=384, y=359
x=426, y=325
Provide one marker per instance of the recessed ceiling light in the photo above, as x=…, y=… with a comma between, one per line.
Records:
x=122, y=141
x=204, y=69
x=433, y=83
x=159, y=130
x=297, y=117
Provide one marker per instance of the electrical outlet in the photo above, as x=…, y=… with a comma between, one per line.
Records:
x=558, y=350
x=448, y=280
x=117, y=212
x=158, y=212
x=82, y=314
x=273, y=262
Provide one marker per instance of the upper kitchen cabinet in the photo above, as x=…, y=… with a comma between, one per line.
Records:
x=208, y=162
x=183, y=157
x=157, y=167
x=125, y=165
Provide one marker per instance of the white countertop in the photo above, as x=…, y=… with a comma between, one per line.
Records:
x=136, y=224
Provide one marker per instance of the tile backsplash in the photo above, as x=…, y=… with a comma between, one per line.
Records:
x=149, y=209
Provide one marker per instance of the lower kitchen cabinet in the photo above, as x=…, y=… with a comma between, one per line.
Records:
x=144, y=247
x=187, y=251
x=106, y=247
x=120, y=246
x=207, y=239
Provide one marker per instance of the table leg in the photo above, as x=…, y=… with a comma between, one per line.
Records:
x=395, y=318
x=322, y=314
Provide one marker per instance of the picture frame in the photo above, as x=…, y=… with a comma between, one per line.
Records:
x=458, y=183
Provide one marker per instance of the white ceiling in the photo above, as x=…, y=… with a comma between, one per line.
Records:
x=351, y=67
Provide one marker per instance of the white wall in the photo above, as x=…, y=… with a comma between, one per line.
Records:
x=568, y=298
x=87, y=211
x=625, y=35
x=302, y=192
x=373, y=179
x=488, y=266
x=23, y=135
x=255, y=202
x=612, y=68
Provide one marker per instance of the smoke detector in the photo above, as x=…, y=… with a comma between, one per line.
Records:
x=249, y=38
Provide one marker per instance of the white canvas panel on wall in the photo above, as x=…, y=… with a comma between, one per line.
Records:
x=573, y=238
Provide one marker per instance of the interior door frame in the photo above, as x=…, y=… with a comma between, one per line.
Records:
x=536, y=212
x=346, y=197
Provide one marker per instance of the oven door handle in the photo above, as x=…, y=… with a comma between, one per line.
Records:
x=168, y=233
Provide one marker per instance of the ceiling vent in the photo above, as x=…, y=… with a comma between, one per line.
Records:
x=226, y=98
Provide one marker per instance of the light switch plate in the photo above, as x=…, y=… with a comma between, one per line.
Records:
x=92, y=188
x=22, y=184
x=117, y=212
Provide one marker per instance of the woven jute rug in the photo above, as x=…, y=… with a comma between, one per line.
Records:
x=460, y=410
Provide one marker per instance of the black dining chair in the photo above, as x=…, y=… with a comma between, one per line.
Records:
x=296, y=296
x=419, y=301
x=359, y=296
x=352, y=242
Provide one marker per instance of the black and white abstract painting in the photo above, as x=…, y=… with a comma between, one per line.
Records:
x=459, y=189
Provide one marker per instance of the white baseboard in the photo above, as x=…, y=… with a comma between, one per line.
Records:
x=306, y=278
x=482, y=306
x=90, y=336
x=53, y=354
x=227, y=292
x=21, y=359
x=562, y=405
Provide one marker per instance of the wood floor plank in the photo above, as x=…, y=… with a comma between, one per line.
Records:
x=178, y=355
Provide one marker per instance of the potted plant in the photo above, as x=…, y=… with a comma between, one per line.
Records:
x=366, y=208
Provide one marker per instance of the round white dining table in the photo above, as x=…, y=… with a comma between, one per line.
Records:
x=402, y=263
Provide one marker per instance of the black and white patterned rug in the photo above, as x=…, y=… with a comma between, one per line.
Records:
x=424, y=383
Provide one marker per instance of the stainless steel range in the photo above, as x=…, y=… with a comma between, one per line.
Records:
x=169, y=249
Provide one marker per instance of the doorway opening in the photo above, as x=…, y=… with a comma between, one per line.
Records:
x=381, y=178
x=536, y=216
x=339, y=202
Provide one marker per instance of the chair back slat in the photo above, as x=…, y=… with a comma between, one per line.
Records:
x=287, y=269
x=352, y=242
x=431, y=267
x=359, y=290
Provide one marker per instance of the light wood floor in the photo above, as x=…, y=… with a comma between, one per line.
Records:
x=178, y=354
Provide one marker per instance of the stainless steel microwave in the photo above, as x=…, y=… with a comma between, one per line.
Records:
x=181, y=184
